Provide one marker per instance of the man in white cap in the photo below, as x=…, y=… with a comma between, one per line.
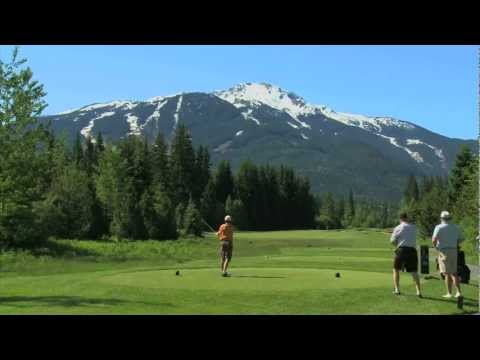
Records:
x=447, y=238
x=225, y=235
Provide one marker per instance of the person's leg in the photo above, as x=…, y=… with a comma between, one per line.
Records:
x=396, y=280
x=416, y=280
x=456, y=282
x=225, y=265
x=448, y=284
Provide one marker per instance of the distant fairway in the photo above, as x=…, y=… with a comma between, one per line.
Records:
x=290, y=272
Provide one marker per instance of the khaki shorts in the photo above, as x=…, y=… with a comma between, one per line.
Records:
x=447, y=261
x=226, y=250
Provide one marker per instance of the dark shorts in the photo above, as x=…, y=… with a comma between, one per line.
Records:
x=406, y=258
x=226, y=250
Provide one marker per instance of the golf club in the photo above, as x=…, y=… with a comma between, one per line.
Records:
x=208, y=225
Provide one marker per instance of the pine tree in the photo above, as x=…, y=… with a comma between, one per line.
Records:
x=89, y=156
x=328, y=211
x=160, y=164
x=349, y=210
x=459, y=173
x=78, y=150
x=182, y=165
x=180, y=215
x=224, y=181
x=193, y=224
x=99, y=144
x=428, y=210
x=247, y=187
x=211, y=209
x=411, y=193
x=237, y=211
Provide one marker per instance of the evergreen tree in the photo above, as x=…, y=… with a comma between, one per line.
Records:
x=428, y=210
x=90, y=160
x=160, y=164
x=158, y=215
x=411, y=193
x=237, y=211
x=202, y=172
x=211, y=210
x=459, y=173
x=23, y=151
x=180, y=215
x=349, y=214
x=330, y=211
x=78, y=150
x=67, y=210
x=247, y=187
x=99, y=145
x=224, y=181
x=182, y=165
x=193, y=224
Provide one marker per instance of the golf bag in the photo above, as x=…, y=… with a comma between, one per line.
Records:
x=463, y=270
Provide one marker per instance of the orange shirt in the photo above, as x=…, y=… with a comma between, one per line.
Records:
x=225, y=232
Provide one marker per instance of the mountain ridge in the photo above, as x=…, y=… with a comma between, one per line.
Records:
x=268, y=124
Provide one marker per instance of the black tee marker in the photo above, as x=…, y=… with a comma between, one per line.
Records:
x=337, y=275
x=177, y=273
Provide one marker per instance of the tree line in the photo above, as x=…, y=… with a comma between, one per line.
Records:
x=348, y=212
x=425, y=198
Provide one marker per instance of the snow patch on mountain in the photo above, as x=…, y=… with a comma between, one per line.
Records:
x=156, y=113
x=66, y=112
x=292, y=125
x=86, y=131
x=304, y=136
x=270, y=95
x=415, y=155
x=179, y=105
x=438, y=152
x=238, y=133
x=247, y=115
x=133, y=122
x=113, y=104
x=224, y=147
x=161, y=98
x=368, y=123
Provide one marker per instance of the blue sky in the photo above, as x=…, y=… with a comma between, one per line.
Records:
x=433, y=86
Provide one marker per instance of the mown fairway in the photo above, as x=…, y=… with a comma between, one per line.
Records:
x=291, y=272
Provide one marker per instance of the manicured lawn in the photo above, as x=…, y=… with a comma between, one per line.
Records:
x=290, y=272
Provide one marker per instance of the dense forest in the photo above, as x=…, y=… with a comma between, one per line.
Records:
x=131, y=189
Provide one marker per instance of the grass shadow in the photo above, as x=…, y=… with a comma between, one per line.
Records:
x=260, y=277
x=67, y=301
x=466, y=301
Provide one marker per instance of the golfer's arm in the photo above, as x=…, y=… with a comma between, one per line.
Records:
x=434, y=240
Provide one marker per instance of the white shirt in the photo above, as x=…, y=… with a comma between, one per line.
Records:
x=404, y=235
x=449, y=236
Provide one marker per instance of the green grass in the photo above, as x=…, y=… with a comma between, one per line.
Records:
x=290, y=272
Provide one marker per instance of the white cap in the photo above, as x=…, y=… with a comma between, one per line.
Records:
x=228, y=218
x=445, y=215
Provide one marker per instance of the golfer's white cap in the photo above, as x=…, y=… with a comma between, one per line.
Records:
x=445, y=215
x=228, y=218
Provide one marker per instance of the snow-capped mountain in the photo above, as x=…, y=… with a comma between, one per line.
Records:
x=264, y=123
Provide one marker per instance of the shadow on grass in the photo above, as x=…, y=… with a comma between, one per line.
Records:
x=260, y=277
x=466, y=301
x=67, y=301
